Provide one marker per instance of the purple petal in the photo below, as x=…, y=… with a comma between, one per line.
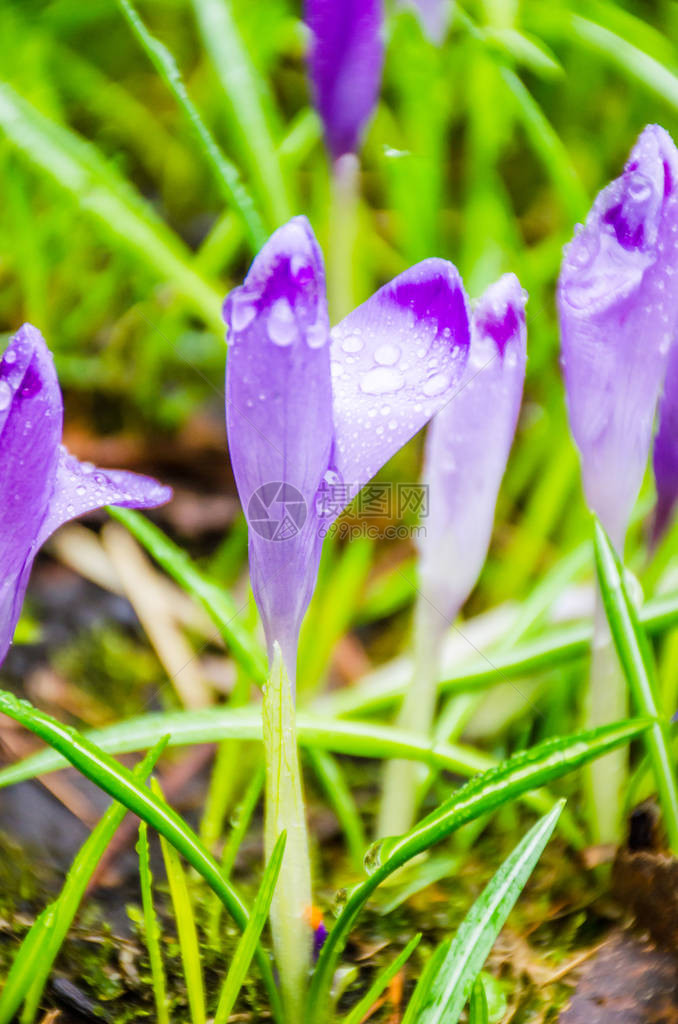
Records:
x=467, y=448
x=665, y=455
x=80, y=487
x=279, y=420
x=618, y=305
x=434, y=15
x=395, y=362
x=345, y=64
x=31, y=414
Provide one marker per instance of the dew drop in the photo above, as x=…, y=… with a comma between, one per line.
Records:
x=372, y=858
x=387, y=355
x=316, y=335
x=5, y=395
x=381, y=381
x=242, y=314
x=352, y=343
x=435, y=385
x=10, y=356
x=282, y=327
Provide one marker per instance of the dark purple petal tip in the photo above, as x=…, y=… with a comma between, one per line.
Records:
x=500, y=312
x=286, y=286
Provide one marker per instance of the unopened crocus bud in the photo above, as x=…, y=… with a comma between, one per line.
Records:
x=467, y=448
x=345, y=65
x=618, y=306
x=665, y=454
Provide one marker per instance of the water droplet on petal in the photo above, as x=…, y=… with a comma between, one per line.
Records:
x=387, y=355
x=282, y=327
x=381, y=381
x=352, y=343
x=243, y=313
x=5, y=395
x=372, y=858
x=436, y=384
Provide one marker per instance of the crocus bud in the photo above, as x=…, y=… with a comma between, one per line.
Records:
x=618, y=306
x=41, y=485
x=665, y=454
x=467, y=448
x=345, y=65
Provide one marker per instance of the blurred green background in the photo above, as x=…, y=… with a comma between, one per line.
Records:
x=116, y=239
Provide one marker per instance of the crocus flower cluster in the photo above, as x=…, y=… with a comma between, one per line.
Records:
x=618, y=307
x=42, y=486
x=312, y=415
x=345, y=64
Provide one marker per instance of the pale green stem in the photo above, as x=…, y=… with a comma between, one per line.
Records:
x=402, y=779
x=285, y=812
x=607, y=702
x=343, y=235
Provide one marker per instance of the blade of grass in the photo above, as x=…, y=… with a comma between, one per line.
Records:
x=451, y=986
x=232, y=845
x=332, y=780
x=120, y=783
x=519, y=774
x=477, y=1007
x=415, y=1005
x=103, y=194
x=186, y=927
x=382, y=979
x=151, y=927
x=243, y=89
x=638, y=665
x=39, y=949
x=554, y=649
x=214, y=599
x=226, y=174
x=250, y=937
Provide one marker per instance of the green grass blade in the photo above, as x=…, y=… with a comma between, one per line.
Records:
x=549, y=147
x=553, y=649
x=39, y=949
x=103, y=195
x=638, y=665
x=416, y=1003
x=120, y=783
x=186, y=927
x=332, y=780
x=151, y=927
x=244, y=814
x=380, y=982
x=243, y=88
x=519, y=774
x=477, y=1007
x=214, y=599
x=226, y=173
x=451, y=986
x=250, y=937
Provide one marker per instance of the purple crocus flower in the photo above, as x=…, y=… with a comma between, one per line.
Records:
x=313, y=415
x=345, y=64
x=467, y=449
x=42, y=486
x=665, y=454
x=618, y=306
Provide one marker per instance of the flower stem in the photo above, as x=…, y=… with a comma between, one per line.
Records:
x=342, y=235
x=402, y=779
x=285, y=811
x=607, y=702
